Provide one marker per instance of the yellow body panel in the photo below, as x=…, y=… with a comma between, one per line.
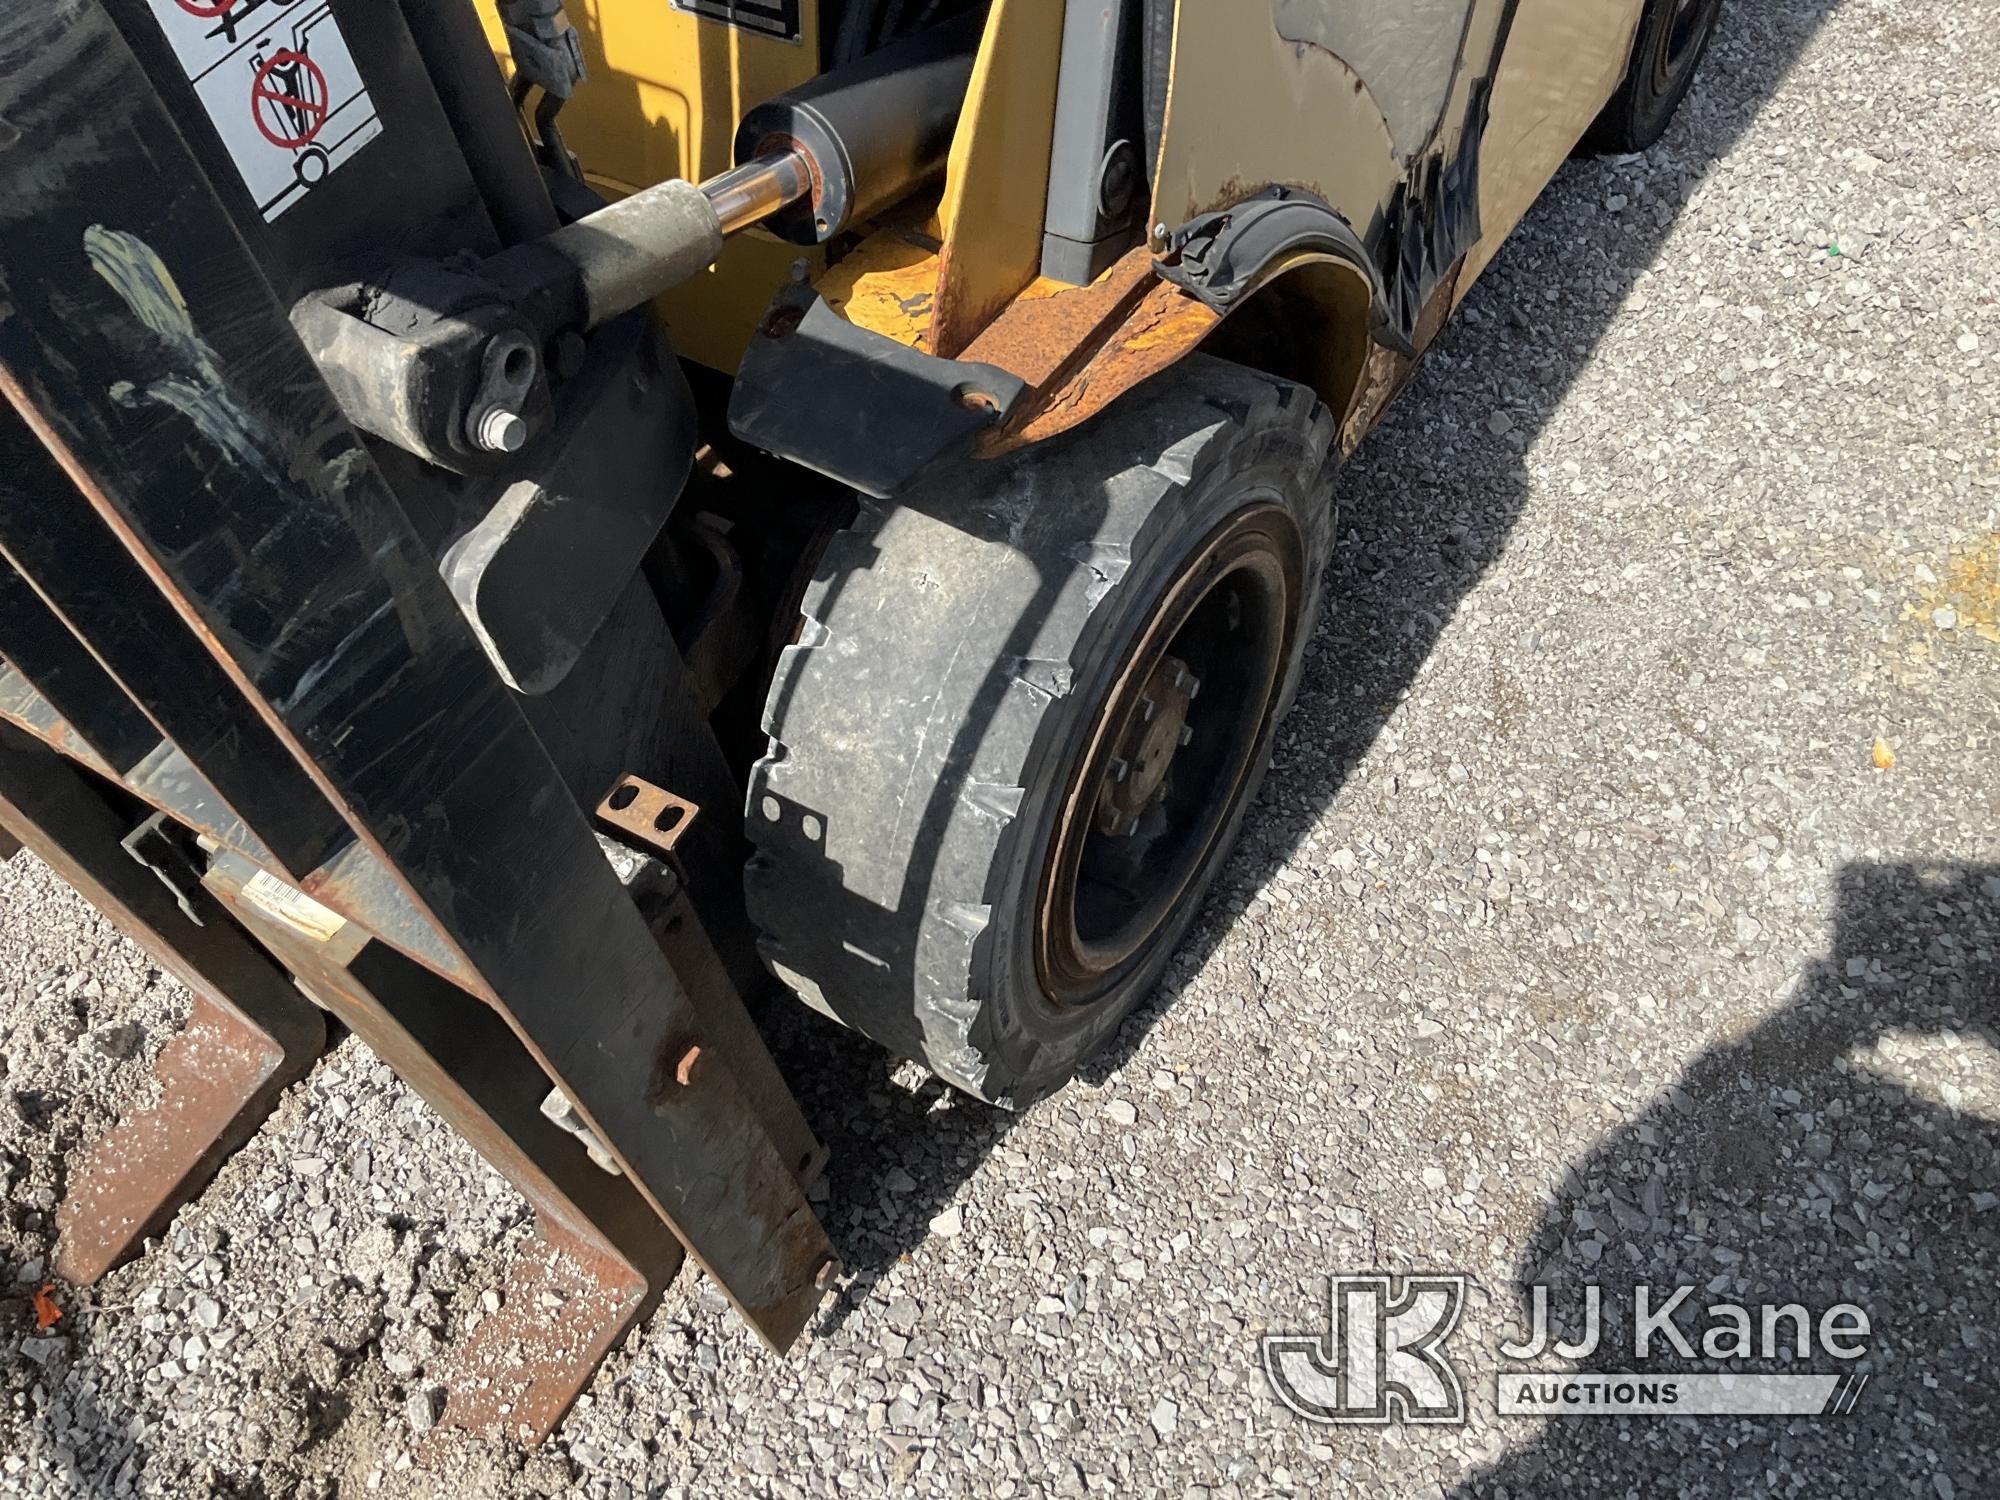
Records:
x=667, y=88
x=665, y=92
x=888, y=285
x=1259, y=96
x=1249, y=107
x=1285, y=92
x=1562, y=62
x=997, y=184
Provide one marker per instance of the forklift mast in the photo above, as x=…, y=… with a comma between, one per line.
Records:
x=245, y=712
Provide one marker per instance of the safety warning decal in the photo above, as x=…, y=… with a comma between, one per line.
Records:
x=280, y=87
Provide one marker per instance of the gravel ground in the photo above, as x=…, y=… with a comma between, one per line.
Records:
x=1586, y=933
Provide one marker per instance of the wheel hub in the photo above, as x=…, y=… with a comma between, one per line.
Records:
x=1157, y=781
x=1156, y=727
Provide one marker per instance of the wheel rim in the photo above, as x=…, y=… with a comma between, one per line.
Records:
x=1680, y=41
x=1168, y=755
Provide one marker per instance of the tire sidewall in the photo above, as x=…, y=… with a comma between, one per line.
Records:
x=1651, y=107
x=1032, y=1041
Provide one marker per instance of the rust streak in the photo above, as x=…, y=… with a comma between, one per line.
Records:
x=1164, y=326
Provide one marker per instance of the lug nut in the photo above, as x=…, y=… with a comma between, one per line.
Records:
x=1119, y=769
x=1187, y=734
x=499, y=430
x=1147, y=708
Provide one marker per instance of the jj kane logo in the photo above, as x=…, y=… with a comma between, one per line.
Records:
x=1382, y=1357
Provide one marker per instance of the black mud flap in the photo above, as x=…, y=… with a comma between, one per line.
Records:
x=1220, y=257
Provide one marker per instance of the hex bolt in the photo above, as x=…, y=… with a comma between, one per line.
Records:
x=1187, y=734
x=1147, y=708
x=1119, y=768
x=499, y=430
x=1126, y=825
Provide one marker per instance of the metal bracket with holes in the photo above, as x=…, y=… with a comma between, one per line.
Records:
x=652, y=815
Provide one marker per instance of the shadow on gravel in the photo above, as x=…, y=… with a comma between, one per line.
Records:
x=1419, y=529
x=1788, y=1166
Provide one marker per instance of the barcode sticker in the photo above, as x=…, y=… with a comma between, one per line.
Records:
x=291, y=906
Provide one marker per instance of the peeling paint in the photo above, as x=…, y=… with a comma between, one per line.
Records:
x=1405, y=56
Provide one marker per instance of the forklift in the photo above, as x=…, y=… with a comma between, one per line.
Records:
x=523, y=521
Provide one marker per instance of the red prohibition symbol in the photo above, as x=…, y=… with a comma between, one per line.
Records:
x=208, y=10
x=288, y=99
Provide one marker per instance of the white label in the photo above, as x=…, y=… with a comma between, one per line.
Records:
x=279, y=86
x=291, y=906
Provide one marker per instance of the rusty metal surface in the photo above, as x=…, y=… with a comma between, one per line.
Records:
x=1387, y=371
x=602, y=1255
x=353, y=881
x=568, y=1300
x=652, y=815
x=1079, y=349
x=726, y=1026
x=1044, y=332
x=249, y=1036
x=316, y=606
x=1165, y=326
x=997, y=180
x=210, y=1076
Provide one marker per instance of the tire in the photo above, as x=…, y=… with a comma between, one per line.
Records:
x=943, y=859
x=1672, y=39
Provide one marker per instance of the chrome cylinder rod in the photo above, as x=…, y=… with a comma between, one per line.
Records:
x=635, y=249
x=751, y=193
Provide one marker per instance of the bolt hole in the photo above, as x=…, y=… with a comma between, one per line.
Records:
x=805, y=1161
x=771, y=809
x=813, y=827
x=518, y=364
x=669, y=817
x=783, y=322
x=624, y=797
x=974, y=399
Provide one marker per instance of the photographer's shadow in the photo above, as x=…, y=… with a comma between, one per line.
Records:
x=1828, y=1156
